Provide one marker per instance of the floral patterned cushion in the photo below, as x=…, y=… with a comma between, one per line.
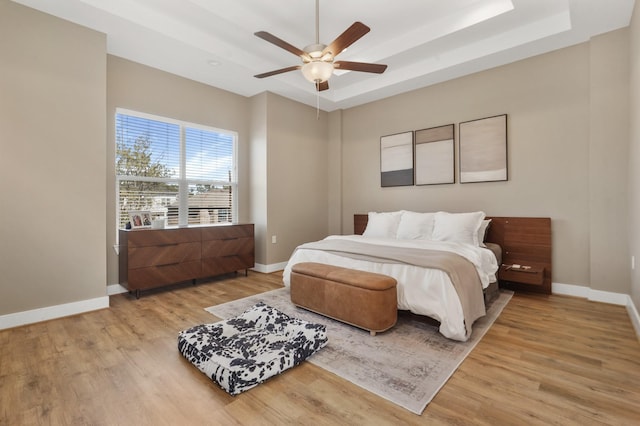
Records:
x=241, y=352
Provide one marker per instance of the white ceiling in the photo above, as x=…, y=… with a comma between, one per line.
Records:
x=422, y=41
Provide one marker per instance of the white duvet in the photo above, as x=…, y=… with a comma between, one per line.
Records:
x=420, y=290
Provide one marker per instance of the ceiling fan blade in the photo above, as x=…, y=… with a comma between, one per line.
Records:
x=347, y=38
x=322, y=86
x=360, y=66
x=281, y=43
x=280, y=71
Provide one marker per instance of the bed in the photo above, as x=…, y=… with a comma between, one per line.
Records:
x=440, y=260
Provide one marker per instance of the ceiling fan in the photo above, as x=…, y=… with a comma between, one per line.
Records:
x=318, y=59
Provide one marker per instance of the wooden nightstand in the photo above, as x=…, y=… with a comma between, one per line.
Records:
x=525, y=241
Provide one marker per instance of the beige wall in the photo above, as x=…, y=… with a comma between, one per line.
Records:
x=258, y=175
x=141, y=88
x=608, y=153
x=297, y=155
x=634, y=154
x=550, y=100
x=334, y=179
x=52, y=150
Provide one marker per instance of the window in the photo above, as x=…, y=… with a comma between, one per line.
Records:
x=181, y=171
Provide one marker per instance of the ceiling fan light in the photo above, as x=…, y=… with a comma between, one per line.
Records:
x=317, y=71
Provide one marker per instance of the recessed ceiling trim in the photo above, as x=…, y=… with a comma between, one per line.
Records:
x=449, y=58
x=457, y=20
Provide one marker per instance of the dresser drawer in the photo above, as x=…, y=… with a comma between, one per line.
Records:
x=218, y=248
x=223, y=265
x=227, y=232
x=161, y=237
x=141, y=257
x=155, y=276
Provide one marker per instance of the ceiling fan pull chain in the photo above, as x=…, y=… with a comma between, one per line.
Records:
x=317, y=100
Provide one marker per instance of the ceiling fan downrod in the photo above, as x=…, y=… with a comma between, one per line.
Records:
x=317, y=21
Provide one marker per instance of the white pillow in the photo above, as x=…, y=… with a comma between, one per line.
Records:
x=382, y=225
x=416, y=226
x=482, y=232
x=457, y=227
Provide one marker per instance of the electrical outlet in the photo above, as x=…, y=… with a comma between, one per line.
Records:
x=633, y=262
x=274, y=239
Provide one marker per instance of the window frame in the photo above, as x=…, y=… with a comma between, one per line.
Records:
x=182, y=181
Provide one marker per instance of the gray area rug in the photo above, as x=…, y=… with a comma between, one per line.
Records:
x=406, y=365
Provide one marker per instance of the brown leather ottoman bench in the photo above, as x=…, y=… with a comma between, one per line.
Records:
x=364, y=299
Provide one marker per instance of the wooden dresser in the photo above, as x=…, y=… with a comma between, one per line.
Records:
x=151, y=258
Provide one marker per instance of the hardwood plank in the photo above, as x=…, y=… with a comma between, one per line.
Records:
x=546, y=360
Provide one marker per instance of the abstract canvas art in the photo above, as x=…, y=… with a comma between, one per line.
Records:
x=483, y=150
x=435, y=155
x=396, y=159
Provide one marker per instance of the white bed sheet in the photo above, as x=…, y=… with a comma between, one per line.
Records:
x=420, y=290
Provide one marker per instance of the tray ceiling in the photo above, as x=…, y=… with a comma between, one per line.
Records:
x=423, y=42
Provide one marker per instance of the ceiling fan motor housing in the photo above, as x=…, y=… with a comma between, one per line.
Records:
x=314, y=51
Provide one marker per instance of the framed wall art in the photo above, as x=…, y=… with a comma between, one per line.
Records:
x=483, y=149
x=435, y=151
x=396, y=159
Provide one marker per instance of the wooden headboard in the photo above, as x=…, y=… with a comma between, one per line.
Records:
x=524, y=241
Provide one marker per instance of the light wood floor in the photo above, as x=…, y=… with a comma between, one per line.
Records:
x=546, y=360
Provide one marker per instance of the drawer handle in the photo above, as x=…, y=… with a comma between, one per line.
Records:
x=167, y=245
x=168, y=264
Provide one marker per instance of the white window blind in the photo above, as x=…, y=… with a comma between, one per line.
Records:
x=182, y=171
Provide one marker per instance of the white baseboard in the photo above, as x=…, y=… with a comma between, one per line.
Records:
x=590, y=294
x=603, y=297
x=635, y=317
x=115, y=289
x=570, y=290
x=267, y=269
x=52, y=312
